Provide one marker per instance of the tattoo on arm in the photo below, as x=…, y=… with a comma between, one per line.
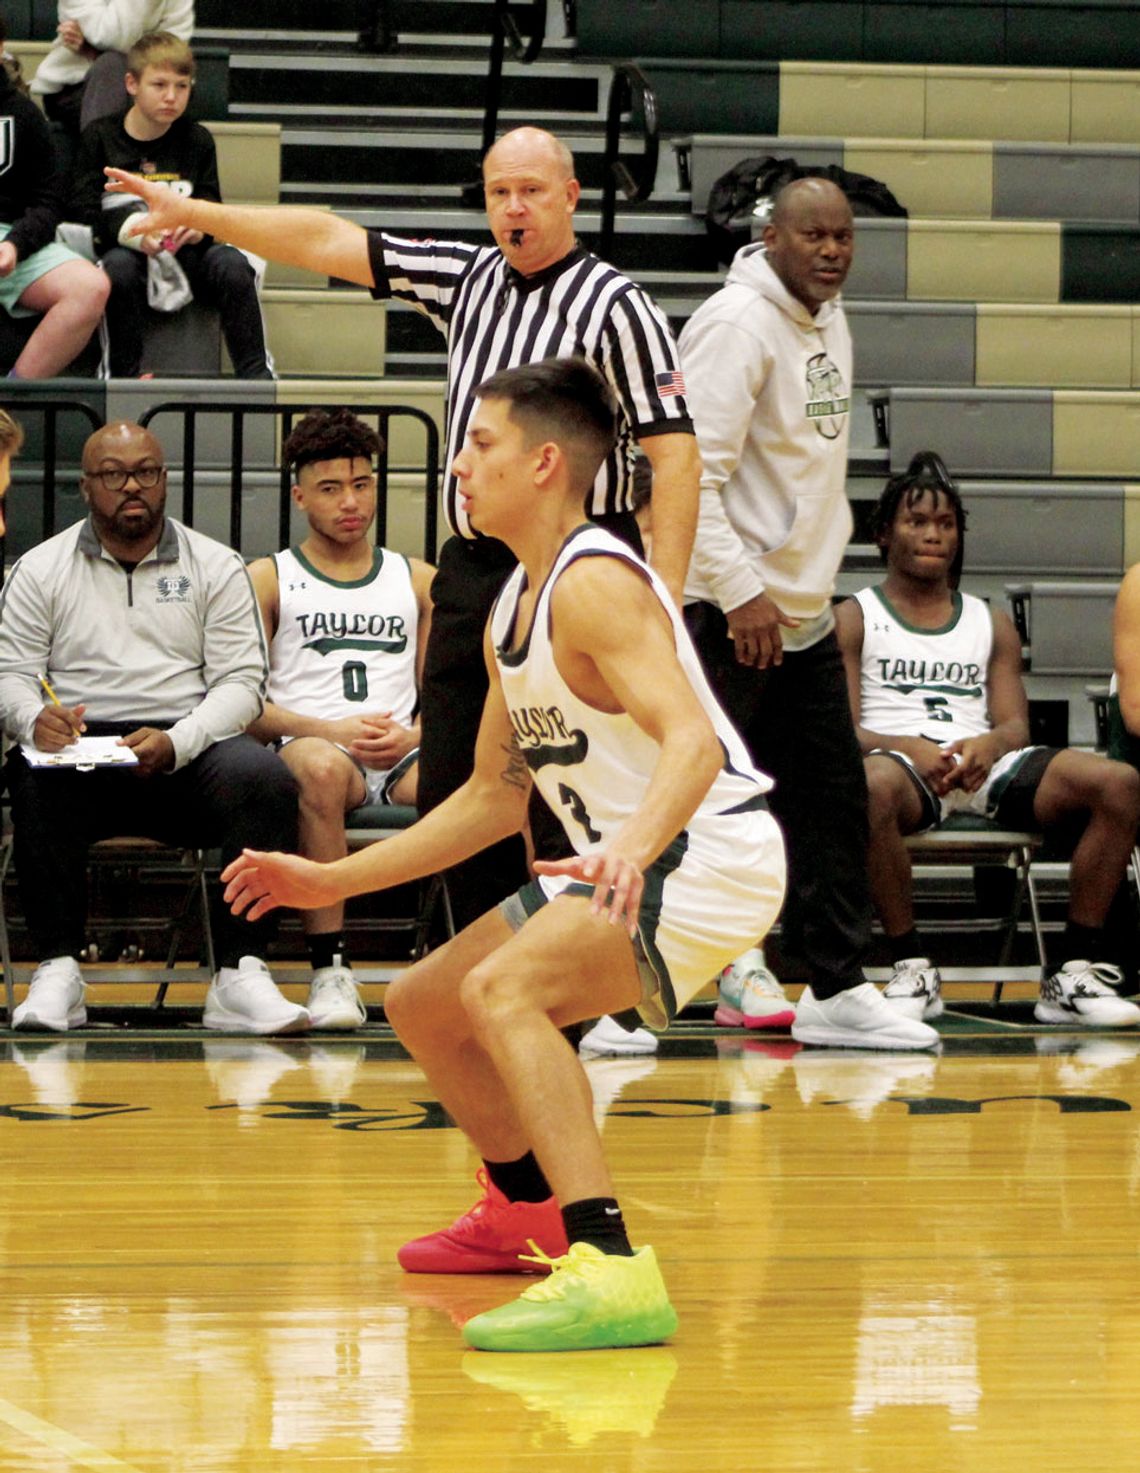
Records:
x=516, y=773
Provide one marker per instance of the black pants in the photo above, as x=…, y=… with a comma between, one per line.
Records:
x=219, y=276
x=796, y=721
x=236, y=793
x=454, y=688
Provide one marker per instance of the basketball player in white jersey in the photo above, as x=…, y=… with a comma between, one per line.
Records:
x=941, y=714
x=596, y=696
x=347, y=624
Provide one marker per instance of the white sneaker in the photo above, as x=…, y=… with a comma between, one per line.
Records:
x=245, y=999
x=334, y=1003
x=608, y=1037
x=859, y=1017
x=1082, y=992
x=55, y=1000
x=915, y=988
x=750, y=996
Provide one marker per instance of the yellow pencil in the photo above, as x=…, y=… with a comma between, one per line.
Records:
x=43, y=680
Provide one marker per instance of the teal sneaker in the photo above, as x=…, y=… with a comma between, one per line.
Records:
x=591, y=1301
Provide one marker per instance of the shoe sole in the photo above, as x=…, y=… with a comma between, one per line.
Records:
x=223, y=1022
x=648, y=1328
x=31, y=1023
x=1046, y=1012
x=758, y=1021
x=728, y=1017
x=851, y=1038
x=336, y=1022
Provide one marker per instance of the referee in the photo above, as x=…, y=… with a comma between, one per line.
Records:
x=536, y=293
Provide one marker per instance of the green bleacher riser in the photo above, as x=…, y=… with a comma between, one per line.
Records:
x=1083, y=433
x=322, y=331
x=1039, y=33
x=249, y=160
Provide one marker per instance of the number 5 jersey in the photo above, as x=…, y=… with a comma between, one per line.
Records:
x=925, y=682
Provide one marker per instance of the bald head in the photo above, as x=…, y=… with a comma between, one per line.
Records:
x=531, y=195
x=810, y=240
x=805, y=196
x=122, y=441
x=535, y=146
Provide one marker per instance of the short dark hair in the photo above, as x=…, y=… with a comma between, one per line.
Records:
x=561, y=399
x=330, y=434
x=926, y=475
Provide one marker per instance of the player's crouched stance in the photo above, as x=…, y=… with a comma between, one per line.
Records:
x=597, y=697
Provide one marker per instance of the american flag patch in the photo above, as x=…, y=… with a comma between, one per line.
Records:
x=670, y=383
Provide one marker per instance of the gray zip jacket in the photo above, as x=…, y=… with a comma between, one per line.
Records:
x=176, y=643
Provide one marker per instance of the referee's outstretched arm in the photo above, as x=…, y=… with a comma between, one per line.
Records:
x=295, y=235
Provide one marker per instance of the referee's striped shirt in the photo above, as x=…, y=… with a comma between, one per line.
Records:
x=494, y=318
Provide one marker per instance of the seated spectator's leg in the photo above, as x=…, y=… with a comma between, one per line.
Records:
x=236, y=794
x=71, y=297
x=104, y=87
x=894, y=809
x=126, y=309
x=329, y=784
x=50, y=842
x=56, y=816
x=1109, y=792
x=222, y=277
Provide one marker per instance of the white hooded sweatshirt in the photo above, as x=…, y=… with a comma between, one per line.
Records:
x=769, y=388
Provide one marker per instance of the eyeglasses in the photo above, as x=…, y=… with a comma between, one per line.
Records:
x=146, y=477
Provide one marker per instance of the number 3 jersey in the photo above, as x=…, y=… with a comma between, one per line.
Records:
x=925, y=682
x=345, y=648
x=718, y=886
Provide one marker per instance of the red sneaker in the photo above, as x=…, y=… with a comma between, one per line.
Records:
x=490, y=1238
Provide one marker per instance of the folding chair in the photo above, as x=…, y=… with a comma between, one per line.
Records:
x=138, y=853
x=965, y=839
x=372, y=823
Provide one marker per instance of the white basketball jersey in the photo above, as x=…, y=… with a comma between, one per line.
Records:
x=925, y=682
x=344, y=647
x=592, y=766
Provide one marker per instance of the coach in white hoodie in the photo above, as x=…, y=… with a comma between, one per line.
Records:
x=767, y=364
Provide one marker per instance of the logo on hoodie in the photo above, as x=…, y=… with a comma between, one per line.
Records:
x=827, y=402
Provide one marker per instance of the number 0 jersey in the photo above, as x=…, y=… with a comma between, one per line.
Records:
x=925, y=682
x=342, y=648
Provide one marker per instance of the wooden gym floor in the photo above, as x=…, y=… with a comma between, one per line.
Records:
x=880, y=1262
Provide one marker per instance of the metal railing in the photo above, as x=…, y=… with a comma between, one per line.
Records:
x=521, y=29
x=192, y=411
x=630, y=91
x=50, y=411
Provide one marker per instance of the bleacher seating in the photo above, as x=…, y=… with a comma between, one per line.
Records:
x=1054, y=33
x=1000, y=319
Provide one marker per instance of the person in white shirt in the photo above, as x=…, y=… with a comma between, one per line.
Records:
x=767, y=365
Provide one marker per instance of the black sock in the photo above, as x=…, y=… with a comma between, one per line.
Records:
x=521, y=1180
x=323, y=947
x=597, y=1220
x=1082, y=943
x=905, y=946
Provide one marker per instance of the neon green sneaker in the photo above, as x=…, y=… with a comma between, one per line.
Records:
x=591, y=1301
